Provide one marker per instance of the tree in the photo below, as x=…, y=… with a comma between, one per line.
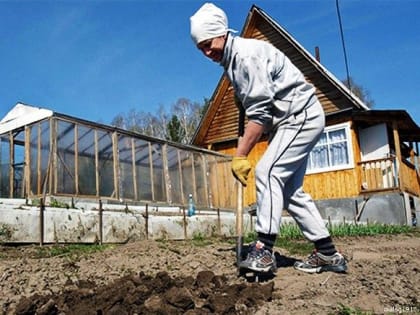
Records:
x=189, y=115
x=185, y=117
x=358, y=90
x=204, y=108
x=118, y=121
x=175, y=132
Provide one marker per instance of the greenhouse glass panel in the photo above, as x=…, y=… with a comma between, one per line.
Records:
x=174, y=175
x=39, y=157
x=143, y=178
x=187, y=173
x=105, y=164
x=33, y=159
x=126, y=179
x=66, y=179
x=44, y=156
x=212, y=180
x=18, y=164
x=200, y=179
x=4, y=166
x=86, y=160
x=158, y=173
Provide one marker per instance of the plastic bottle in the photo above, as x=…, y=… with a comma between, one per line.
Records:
x=191, y=206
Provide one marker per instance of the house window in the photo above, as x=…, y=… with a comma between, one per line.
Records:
x=333, y=150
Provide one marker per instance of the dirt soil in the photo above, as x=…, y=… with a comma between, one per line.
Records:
x=174, y=277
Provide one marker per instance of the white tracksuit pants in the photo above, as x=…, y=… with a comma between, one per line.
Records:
x=280, y=172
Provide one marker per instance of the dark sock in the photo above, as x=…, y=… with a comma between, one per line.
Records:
x=268, y=240
x=325, y=246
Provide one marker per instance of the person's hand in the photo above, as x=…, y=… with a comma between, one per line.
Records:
x=241, y=168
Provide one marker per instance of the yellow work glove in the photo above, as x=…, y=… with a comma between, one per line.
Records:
x=241, y=168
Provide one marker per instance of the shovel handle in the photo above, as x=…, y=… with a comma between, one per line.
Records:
x=239, y=223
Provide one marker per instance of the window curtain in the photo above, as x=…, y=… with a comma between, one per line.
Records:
x=338, y=147
x=330, y=151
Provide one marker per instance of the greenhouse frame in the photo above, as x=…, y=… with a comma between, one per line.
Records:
x=44, y=153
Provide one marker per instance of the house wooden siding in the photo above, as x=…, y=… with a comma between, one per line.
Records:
x=325, y=185
x=343, y=183
x=224, y=125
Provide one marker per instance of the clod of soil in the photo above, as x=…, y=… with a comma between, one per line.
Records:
x=161, y=294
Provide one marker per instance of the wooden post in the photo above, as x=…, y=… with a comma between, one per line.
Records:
x=216, y=191
x=165, y=166
x=41, y=221
x=133, y=157
x=181, y=178
x=52, y=165
x=116, y=163
x=194, y=180
x=96, y=163
x=76, y=159
x=185, y=222
x=152, y=182
x=11, y=163
x=219, y=223
x=39, y=185
x=100, y=223
x=398, y=153
x=27, y=168
x=205, y=179
x=146, y=218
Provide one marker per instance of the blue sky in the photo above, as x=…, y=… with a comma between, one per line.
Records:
x=97, y=59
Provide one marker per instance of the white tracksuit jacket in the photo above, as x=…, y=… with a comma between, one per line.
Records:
x=275, y=94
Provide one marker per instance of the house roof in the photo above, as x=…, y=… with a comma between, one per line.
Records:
x=408, y=130
x=401, y=120
x=220, y=122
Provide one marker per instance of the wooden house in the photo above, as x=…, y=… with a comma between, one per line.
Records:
x=366, y=165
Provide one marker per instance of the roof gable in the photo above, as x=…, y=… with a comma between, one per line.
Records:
x=219, y=124
x=21, y=115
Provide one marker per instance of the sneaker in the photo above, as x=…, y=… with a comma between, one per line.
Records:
x=318, y=262
x=259, y=259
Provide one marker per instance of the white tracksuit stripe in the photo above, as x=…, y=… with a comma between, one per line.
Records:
x=280, y=173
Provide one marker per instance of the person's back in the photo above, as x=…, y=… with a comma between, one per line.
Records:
x=263, y=76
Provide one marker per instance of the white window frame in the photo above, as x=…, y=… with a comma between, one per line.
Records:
x=349, y=144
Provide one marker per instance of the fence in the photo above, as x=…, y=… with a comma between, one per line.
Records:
x=379, y=174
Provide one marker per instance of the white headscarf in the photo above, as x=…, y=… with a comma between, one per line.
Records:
x=208, y=22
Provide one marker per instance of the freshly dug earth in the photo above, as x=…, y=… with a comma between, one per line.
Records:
x=174, y=277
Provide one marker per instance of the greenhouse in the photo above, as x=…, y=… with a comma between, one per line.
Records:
x=45, y=154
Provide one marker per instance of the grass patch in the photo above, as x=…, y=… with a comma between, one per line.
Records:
x=292, y=239
x=369, y=229
x=6, y=231
x=292, y=231
x=347, y=310
x=295, y=247
x=199, y=239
